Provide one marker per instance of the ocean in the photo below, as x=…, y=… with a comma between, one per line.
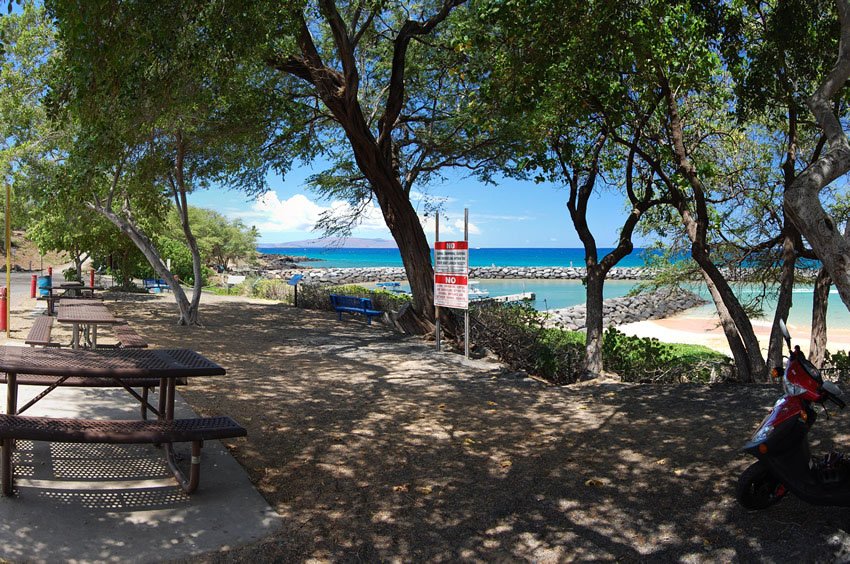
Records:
x=352, y=258
x=554, y=294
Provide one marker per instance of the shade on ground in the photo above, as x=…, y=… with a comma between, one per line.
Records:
x=120, y=502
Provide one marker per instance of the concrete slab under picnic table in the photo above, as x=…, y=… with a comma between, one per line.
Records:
x=110, y=503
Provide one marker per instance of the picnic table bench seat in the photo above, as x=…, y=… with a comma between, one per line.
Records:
x=353, y=304
x=39, y=334
x=128, y=338
x=195, y=430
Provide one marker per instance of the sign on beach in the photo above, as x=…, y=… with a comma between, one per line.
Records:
x=451, y=270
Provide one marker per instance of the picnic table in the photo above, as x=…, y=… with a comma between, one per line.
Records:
x=122, y=366
x=78, y=289
x=68, y=290
x=84, y=317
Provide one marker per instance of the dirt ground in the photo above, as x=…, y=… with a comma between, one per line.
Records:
x=375, y=448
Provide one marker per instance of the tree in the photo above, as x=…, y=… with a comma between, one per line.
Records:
x=26, y=41
x=803, y=198
x=383, y=77
x=220, y=240
x=661, y=95
x=161, y=110
x=532, y=70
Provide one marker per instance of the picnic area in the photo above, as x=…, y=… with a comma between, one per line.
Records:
x=365, y=444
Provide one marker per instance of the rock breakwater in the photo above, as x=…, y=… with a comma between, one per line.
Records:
x=629, y=309
x=389, y=274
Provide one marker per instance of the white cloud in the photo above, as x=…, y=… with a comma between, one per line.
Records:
x=299, y=213
x=473, y=229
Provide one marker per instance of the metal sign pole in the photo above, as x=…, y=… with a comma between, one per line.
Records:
x=466, y=311
x=437, y=308
x=8, y=260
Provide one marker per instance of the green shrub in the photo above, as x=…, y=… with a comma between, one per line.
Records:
x=642, y=359
x=837, y=365
x=516, y=334
x=269, y=289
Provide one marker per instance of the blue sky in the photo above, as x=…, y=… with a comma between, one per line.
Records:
x=512, y=214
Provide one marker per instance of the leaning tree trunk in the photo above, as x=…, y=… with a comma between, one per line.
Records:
x=820, y=302
x=784, y=300
x=733, y=337
x=736, y=324
x=145, y=245
x=406, y=229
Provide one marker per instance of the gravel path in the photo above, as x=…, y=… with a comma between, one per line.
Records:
x=373, y=447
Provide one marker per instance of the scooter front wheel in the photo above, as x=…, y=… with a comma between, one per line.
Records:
x=758, y=488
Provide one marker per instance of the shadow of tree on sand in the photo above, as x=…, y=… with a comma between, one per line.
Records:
x=373, y=446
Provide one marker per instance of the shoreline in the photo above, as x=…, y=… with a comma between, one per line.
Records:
x=691, y=329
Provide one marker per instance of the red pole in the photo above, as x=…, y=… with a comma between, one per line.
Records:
x=4, y=306
x=32, y=285
x=50, y=271
x=91, y=278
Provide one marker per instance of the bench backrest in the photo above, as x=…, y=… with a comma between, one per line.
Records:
x=350, y=301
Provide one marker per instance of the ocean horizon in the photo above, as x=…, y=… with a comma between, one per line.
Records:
x=478, y=256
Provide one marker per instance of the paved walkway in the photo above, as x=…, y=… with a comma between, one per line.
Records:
x=110, y=503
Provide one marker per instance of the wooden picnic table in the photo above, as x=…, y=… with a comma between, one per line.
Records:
x=122, y=366
x=84, y=319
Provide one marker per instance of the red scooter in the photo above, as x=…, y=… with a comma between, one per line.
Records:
x=782, y=448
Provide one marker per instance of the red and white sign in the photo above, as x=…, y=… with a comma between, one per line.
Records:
x=451, y=270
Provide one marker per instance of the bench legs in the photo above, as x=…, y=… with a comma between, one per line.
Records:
x=189, y=484
x=6, y=465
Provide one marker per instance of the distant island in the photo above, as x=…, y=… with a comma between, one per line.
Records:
x=334, y=242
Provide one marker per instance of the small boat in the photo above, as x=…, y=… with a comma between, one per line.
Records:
x=394, y=287
x=476, y=293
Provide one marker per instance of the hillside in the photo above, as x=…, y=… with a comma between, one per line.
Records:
x=334, y=242
x=25, y=255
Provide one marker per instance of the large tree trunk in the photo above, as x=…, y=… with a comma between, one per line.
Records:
x=594, y=321
x=802, y=199
x=820, y=302
x=784, y=299
x=406, y=229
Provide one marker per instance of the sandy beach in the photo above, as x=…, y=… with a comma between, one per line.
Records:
x=700, y=330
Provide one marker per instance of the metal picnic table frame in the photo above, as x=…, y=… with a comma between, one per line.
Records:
x=85, y=315
x=167, y=365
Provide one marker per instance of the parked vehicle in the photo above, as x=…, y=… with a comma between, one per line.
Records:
x=781, y=444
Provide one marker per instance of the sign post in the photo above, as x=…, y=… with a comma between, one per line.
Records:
x=451, y=278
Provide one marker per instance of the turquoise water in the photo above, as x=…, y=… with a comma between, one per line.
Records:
x=352, y=258
x=554, y=294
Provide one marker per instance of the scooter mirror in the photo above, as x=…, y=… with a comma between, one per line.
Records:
x=785, y=333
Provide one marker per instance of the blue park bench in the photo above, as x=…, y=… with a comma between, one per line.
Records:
x=352, y=304
x=155, y=283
